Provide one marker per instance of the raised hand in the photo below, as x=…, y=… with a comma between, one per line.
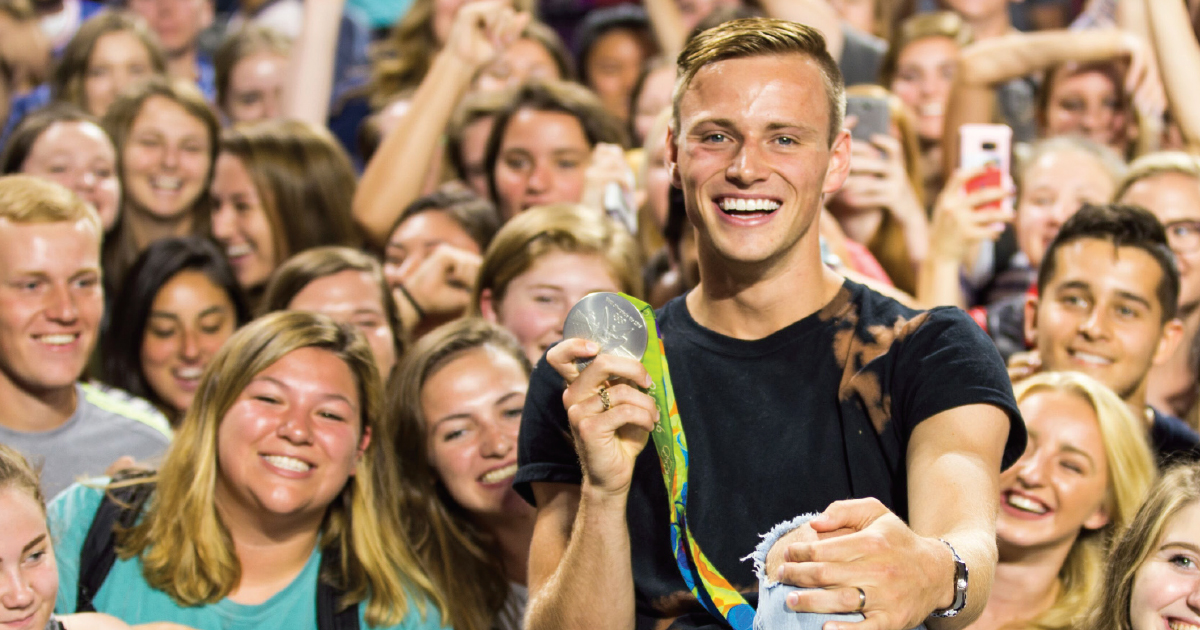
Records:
x=481, y=30
x=607, y=166
x=442, y=284
x=1142, y=80
x=961, y=219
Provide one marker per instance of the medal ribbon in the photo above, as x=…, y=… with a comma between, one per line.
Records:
x=713, y=590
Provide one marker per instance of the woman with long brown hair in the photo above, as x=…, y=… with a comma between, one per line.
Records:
x=455, y=409
x=280, y=187
x=166, y=138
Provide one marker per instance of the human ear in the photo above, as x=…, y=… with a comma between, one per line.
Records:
x=839, y=163
x=487, y=306
x=1031, y=306
x=363, y=443
x=1168, y=342
x=1099, y=518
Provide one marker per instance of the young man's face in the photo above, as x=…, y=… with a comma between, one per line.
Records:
x=1175, y=199
x=753, y=157
x=51, y=301
x=1099, y=314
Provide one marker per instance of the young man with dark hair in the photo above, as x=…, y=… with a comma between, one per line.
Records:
x=1108, y=292
x=796, y=390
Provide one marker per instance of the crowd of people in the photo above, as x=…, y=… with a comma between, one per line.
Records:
x=283, y=286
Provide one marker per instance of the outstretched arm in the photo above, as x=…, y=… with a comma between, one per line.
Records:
x=815, y=13
x=904, y=571
x=393, y=178
x=985, y=64
x=1174, y=40
x=667, y=22
x=310, y=67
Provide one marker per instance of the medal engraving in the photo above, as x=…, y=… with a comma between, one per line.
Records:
x=611, y=322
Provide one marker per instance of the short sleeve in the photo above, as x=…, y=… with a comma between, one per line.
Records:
x=948, y=361
x=545, y=449
x=70, y=516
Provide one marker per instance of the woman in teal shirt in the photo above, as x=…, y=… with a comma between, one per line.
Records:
x=272, y=468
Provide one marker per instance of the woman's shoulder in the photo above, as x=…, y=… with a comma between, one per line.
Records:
x=74, y=507
x=70, y=515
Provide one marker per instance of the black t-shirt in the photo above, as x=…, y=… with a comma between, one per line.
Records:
x=1173, y=440
x=773, y=426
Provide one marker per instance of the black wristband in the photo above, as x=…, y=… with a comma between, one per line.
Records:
x=411, y=300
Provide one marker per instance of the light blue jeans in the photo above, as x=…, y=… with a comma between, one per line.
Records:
x=773, y=612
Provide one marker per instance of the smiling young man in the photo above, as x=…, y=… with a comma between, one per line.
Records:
x=51, y=303
x=796, y=390
x=1108, y=293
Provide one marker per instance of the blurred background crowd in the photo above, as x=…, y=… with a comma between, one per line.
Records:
x=448, y=177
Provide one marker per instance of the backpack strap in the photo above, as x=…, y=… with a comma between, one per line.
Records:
x=120, y=507
x=329, y=598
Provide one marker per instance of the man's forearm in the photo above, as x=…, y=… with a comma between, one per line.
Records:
x=592, y=586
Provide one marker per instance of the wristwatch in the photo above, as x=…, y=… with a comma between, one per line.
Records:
x=960, y=587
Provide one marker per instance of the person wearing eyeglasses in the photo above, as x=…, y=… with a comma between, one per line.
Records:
x=1168, y=185
x=1106, y=305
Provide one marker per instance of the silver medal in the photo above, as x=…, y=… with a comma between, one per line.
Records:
x=611, y=322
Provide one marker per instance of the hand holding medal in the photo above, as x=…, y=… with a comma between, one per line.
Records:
x=609, y=412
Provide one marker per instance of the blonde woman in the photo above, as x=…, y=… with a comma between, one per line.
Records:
x=1152, y=580
x=1083, y=477
x=543, y=261
x=27, y=593
x=273, y=484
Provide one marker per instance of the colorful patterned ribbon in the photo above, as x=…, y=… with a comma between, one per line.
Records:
x=713, y=590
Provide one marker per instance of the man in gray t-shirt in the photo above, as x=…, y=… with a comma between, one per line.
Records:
x=106, y=426
x=51, y=303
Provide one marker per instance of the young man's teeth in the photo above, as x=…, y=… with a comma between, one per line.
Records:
x=56, y=340
x=287, y=463
x=1091, y=358
x=748, y=205
x=500, y=474
x=1026, y=505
